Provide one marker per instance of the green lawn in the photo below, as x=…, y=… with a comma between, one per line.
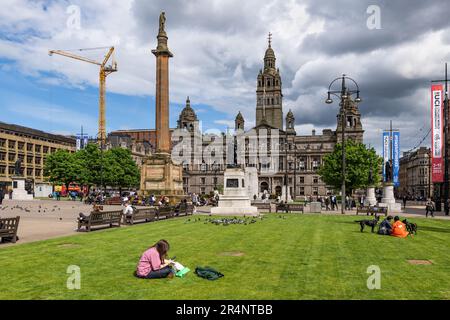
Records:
x=300, y=257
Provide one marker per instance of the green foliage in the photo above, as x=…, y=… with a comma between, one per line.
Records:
x=359, y=162
x=63, y=167
x=91, y=166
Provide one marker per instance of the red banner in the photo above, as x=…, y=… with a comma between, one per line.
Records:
x=437, y=130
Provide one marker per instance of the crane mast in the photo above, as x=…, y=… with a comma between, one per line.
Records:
x=105, y=70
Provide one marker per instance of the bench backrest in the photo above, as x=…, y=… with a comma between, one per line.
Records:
x=105, y=216
x=295, y=206
x=9, y=224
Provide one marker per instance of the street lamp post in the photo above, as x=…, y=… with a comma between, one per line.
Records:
x=343, y=94
x=286, y=169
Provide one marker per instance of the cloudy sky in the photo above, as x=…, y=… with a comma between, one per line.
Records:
x=218, y=49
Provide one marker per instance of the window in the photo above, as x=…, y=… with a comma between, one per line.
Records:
x=302, y=191
x=315, y=180
x=202, y=191
x=302, y=179
x=315, y=191
x=29, y=147
x=203, y=181
x=12, y=144
x=215, y=181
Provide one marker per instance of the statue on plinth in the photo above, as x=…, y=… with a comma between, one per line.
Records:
x=388, y=172
x=18, y=167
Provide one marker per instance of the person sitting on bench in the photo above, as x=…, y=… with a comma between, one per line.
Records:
x=96, y=208
x=153, y=263
x=399, y=229
x=385, y=227
x=128, y=210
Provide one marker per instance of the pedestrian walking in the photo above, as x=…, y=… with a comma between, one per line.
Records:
x=429, y=207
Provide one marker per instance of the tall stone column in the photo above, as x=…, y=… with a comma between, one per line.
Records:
x=159, y=175
x=162, y=55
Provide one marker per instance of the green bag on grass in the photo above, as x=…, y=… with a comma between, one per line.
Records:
x=182, y=272
x=208, y=273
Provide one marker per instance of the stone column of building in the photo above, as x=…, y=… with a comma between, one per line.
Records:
x=162, y=55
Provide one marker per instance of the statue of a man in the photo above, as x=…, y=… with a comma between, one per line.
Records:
x=18, y=167
x=388, y=171
x=162, y=21
x=371, y=181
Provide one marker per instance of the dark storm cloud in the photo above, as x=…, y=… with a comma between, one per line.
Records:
x=401, y=20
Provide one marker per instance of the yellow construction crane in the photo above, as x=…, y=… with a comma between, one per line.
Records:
x=105, y=70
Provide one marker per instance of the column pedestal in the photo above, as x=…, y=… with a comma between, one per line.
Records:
x=19, y=192
x=388, y=199
x=370, y=200
x=235, y=200
x=159, y=176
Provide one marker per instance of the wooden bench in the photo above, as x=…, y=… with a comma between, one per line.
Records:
x=147, y=214
x=281, y=207
x=262, y=206
x=101, y=218
x=379, y=210
x=114, y=201
x=8, y=228
x=293, y=207
x=166, y=212
x=366, y=210
x=185, y=210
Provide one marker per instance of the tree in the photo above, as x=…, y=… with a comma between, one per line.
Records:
x=63, y=167
x=120, y=170
x=360, y=164
x=91, y=157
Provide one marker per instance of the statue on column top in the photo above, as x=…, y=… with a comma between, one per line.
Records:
x=162, y=22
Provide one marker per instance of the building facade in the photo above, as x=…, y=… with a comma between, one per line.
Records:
x=31, y=147
x=415, y=174
x=293, y=157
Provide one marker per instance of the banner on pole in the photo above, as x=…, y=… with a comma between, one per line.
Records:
x=396, y=157
x=437, y=127
x=386, y=151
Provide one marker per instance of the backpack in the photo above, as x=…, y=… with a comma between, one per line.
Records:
x=208, y=273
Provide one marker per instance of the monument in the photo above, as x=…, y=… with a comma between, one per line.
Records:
x=235, y=200
x=370, y=199
x=159, y=175
x=388, y=199
x=19, y=191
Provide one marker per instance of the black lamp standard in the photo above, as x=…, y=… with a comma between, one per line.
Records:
x=343, y=94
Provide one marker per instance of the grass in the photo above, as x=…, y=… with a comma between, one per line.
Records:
x=299, y=257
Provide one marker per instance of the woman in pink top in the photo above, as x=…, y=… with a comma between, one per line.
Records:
x=153, y=263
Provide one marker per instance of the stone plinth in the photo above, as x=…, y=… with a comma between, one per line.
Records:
x=251, y=177
x=160, y=176
x=315, y=207
x=235, y=200
x=388, y=199
x=370, y=200
x=283, y=194
x=19, y=192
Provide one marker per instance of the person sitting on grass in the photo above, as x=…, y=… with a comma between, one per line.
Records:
x=153, y=263
x=399, y=228
x=385, y=227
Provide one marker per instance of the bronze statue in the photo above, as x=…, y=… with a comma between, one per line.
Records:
x=388, y=171
x=18, y=167
x=162, y=22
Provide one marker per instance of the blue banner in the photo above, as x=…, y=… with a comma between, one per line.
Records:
x=396, y=157
x=386, y=151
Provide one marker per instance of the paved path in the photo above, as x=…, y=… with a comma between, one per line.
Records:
x=45, y=219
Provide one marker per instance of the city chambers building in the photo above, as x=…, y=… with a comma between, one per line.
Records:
x=31, y=146
x=286, y=155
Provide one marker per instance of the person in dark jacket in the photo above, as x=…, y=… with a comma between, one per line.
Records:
x=2, y=195
x=385, y=226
